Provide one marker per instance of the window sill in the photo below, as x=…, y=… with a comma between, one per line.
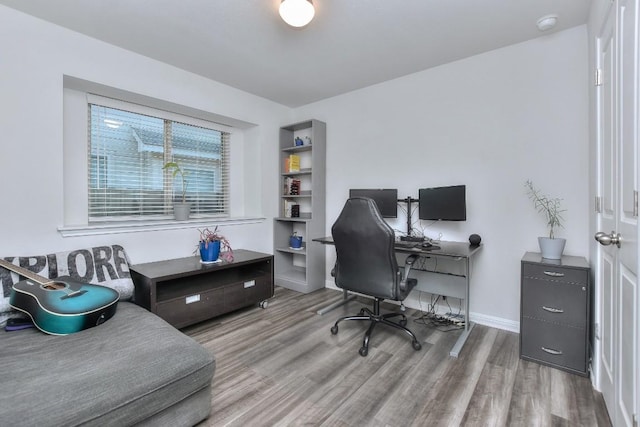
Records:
x=136, y=227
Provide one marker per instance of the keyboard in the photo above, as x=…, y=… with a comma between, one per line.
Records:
x=405, y=244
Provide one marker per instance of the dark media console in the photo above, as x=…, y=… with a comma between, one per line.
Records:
x=184, y=291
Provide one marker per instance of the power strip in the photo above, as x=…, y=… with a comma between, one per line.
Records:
x=445, y=321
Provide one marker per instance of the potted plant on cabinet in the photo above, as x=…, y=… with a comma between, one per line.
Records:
x=550, y=247
x=213, y=245
x=181, y=210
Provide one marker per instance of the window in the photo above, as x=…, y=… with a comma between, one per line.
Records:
x=98, y=169
x=127, y=151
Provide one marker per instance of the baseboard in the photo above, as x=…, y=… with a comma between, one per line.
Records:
x=295, y=285
x=495, y=322
x=478, y=318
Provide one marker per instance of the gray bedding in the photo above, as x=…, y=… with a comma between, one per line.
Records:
x=132, y=368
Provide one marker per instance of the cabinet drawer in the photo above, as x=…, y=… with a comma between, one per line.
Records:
x=247, y=293
x=555, y=302
x=557, y=345
x=555, y=273
x=191, y=308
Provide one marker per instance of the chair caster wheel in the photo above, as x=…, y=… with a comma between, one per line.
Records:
x=263, y=304
x=416, y=345
x=334, y=329
x=403, y=322
x=363, y=351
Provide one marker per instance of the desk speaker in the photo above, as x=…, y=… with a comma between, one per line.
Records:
x=474, y=239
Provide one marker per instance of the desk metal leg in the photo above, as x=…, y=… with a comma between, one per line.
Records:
x=345, y=299
x=457, y=348
x=468, y=326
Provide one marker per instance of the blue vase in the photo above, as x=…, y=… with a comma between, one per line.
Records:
x=210, y=252
x=295, y=242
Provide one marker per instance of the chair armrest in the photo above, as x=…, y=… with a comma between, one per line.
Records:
x=408, y=263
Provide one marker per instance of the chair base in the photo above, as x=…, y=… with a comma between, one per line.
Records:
x=375, y=317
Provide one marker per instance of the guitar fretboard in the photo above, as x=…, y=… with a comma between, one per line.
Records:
x=24, y=272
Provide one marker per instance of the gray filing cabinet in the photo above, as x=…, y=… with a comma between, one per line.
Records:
x=554, y=312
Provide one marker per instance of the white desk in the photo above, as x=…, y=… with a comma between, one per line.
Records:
x=455, y=284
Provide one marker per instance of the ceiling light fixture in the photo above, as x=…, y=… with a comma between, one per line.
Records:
x=547, y=22
x=297, y=13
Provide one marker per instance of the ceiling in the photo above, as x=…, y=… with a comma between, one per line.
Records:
x=350, y=44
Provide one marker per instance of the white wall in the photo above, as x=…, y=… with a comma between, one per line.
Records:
x=491, y=122
x=35, y=56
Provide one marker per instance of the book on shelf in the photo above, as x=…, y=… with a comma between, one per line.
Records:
x=286, y=165
x=291, y=187
x=294, y=163
x=288, y=208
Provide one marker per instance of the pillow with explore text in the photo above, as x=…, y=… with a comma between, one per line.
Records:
x=100, y=265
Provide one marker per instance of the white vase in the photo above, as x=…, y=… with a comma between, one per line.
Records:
x=551, y=248
x=181, y=211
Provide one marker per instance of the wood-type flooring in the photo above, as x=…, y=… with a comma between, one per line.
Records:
x=281, y=366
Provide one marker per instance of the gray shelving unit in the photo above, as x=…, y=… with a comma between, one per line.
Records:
x=302, y=270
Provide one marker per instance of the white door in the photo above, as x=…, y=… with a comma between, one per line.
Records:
x=618, y=183
x=607, y=218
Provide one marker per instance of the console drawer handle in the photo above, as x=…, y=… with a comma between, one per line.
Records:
x=552, y=351
x=554, y=274
x=552, y=310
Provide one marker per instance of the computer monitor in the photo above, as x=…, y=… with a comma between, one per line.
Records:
x=443, y=203
x=386, y=199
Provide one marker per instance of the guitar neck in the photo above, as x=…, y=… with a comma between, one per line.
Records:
x=24, y=272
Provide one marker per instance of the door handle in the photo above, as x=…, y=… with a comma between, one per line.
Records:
x=608, y=239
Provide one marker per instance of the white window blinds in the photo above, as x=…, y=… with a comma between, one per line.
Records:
x=127, y=152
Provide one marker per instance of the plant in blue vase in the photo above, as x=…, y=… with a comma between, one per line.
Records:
x=213, y=245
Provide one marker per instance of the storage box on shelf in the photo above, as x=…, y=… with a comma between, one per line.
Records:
x=302, y=153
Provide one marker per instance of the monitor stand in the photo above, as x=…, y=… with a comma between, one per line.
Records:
x=409, y=237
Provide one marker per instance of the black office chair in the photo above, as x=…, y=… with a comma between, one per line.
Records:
x=366, y=263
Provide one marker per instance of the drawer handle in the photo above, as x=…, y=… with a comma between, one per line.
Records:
x=554, y=274
x=552, y=310
x=551, y=351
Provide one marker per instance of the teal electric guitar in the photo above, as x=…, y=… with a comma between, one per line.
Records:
x=63, y=305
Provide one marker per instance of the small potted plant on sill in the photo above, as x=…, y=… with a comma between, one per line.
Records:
x=181, y=210
x=550, y=247
x=213, y=246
